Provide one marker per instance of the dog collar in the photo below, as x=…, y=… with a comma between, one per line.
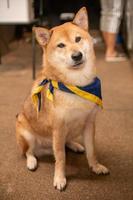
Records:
x=90, y=92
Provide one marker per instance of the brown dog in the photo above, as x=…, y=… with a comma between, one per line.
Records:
x=60, y=116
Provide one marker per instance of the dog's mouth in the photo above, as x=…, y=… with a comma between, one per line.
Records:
x=77, y=65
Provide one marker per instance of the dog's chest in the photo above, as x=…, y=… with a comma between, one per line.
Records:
x=75, y=121
x=73, y=110
x=72, y=104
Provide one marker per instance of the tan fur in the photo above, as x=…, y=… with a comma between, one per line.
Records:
x=68, y=117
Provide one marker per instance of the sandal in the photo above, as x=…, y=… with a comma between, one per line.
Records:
x=119, y=57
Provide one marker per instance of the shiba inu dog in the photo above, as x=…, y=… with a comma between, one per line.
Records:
x=64, y=99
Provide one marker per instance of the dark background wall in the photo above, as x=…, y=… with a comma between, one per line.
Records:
x=53, y=8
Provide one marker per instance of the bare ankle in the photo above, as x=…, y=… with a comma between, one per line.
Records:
x=110, y=53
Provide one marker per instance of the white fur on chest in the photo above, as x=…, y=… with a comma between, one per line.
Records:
x=73, y=110
x=72, y=104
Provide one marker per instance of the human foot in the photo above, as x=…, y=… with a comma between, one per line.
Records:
x=117, y=57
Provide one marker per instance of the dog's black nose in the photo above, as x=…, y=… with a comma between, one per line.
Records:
x=77, y=56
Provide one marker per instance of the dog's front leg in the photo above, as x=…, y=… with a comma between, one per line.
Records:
x=59, y=153
x=89, y=142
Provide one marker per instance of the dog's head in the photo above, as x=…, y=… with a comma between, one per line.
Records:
x=68, y=50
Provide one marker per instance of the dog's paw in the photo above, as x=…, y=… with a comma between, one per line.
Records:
x=31, y=163
x=60, y=183
x=100, y=169
x=76, y=147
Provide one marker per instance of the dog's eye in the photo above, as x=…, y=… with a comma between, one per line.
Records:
x=77, y=39
x=61, y=45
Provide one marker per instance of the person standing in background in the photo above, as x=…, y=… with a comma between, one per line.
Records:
x=111, y=15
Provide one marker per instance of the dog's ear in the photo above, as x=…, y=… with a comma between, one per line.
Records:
x=81, y=19
x=42, y=35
